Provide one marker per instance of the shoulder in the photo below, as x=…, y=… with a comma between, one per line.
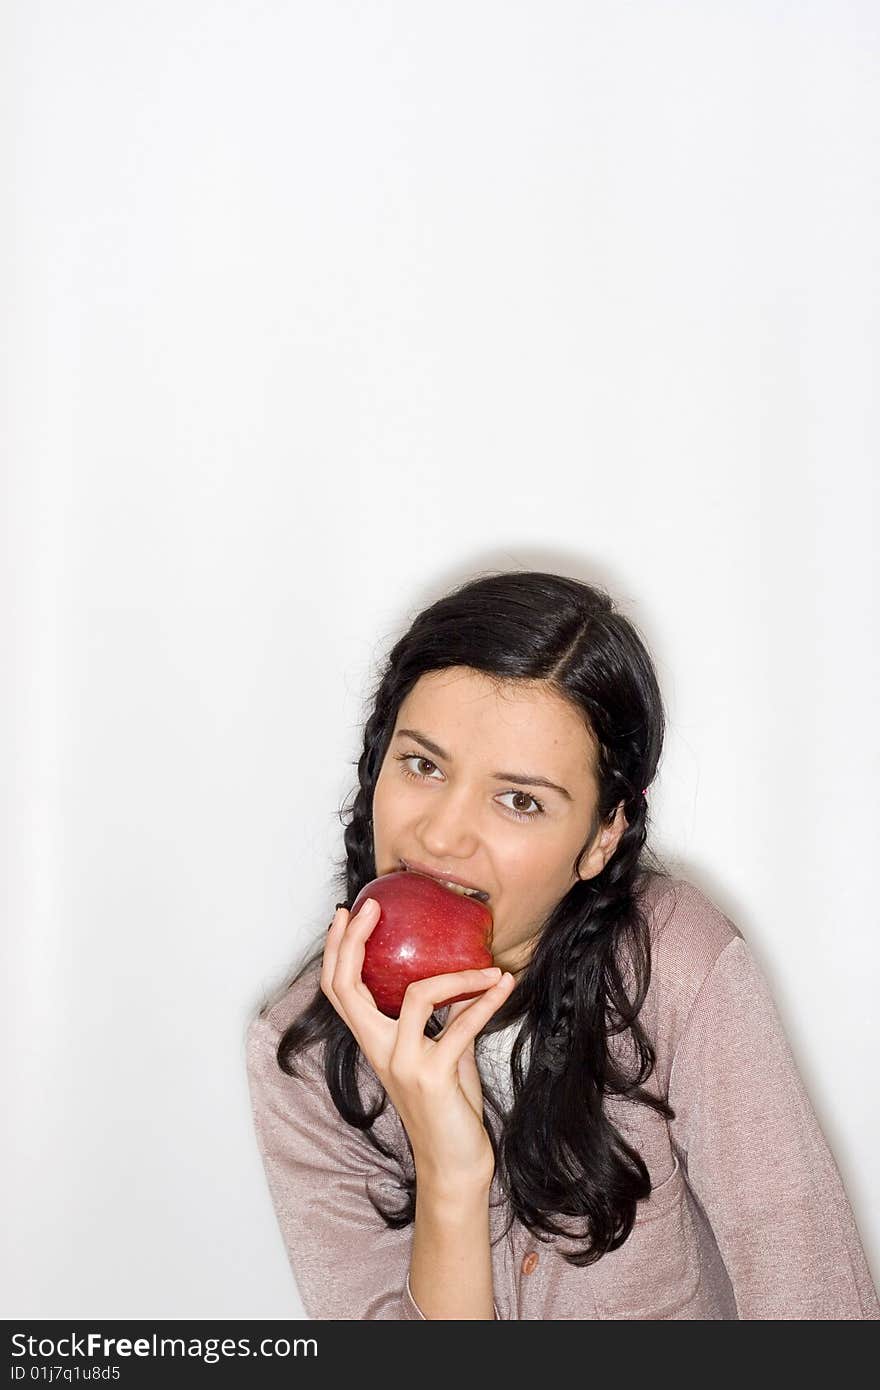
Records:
x=688, y=930
x=276, y=1014
x=688, y=934
x=283, y=1101
x=285, y=1005
x=267, y=1028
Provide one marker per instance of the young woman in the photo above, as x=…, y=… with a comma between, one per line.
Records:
x=615, y=1127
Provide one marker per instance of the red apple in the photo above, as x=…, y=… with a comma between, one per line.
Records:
x=424, y=929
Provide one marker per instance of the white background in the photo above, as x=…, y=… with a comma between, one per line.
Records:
x=315, y=309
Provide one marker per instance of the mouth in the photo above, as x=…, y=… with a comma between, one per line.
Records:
x=460, y=888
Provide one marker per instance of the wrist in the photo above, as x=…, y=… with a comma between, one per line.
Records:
x=442, y=1191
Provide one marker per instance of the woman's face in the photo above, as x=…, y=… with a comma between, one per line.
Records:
x=461, y=793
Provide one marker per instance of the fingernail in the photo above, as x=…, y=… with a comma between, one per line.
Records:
x=492, y=970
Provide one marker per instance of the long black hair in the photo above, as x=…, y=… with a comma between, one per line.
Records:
x=557, y=1152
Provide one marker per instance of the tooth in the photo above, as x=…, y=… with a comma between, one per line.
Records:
x=475, y=893
x=465, y=892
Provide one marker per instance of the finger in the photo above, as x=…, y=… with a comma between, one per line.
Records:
x=454, y=1010
x=335, y=934
x=470, y=1080
x=342, y=924
x=456, y=1037
x=331, y=944
x=421, y=999
x=354, y=996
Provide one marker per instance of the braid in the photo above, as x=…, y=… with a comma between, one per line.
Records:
x=555, y=1050
x=578, y=956
x=359, y=862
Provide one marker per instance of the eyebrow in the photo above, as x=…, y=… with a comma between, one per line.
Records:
x=521, y=778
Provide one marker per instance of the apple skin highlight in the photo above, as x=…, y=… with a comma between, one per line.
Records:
x=424, y=929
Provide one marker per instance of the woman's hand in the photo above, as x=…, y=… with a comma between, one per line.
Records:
x=433, y=1083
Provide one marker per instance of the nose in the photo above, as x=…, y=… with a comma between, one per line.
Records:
x=447, y=829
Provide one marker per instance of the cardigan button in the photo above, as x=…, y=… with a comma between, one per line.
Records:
x=530, y=1262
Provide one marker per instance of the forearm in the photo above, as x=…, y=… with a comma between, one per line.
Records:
x=451, y=1263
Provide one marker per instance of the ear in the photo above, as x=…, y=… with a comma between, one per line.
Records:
x=605, y=845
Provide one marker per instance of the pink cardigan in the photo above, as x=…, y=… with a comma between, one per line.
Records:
x=747, y=1218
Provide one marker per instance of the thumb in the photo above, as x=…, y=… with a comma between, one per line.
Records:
x=458, y=1008
x=470, y=1080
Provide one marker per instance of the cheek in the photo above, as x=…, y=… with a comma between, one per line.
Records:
x=380, y=799
x=389, y=800
x=533, y=875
